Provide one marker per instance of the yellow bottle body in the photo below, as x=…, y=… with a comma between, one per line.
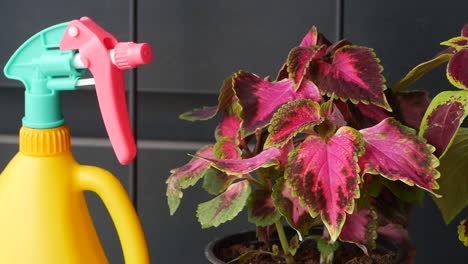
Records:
x=44, y=217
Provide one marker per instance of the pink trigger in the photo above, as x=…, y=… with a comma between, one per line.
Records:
x=94, y=44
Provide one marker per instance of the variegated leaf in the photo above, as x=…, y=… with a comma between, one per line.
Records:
x=299, y=59
x=291, y=119
x=443, y=117
x=354, y=74
x=227, y=134
x=337, y=45
x=261, y=210
x=283, y=158
x=225, y=206
x=324, y=175
x=265, y=158
x=226, y=97
x=456, y=42
x=370, y=114
x=396, y=152
x=464, y=31
x=187, y=176
x=260, y=98
x=360, y=228
x=457, y=69
x=314, y=38
x=290, y=207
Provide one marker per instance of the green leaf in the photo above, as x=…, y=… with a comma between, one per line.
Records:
x=327, y=249
x=261, y=209
x=294, y=245
x=443, y=118
x=370, y=188
x=453, y=180
x=186, y=176
x=403, y=191
x=225, y=206
x=419, y=71
x=463, y=232
x=216, y=182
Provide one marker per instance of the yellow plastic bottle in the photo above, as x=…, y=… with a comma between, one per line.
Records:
x=44, y=216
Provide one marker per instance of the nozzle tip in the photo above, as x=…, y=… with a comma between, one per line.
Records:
x=130, y=55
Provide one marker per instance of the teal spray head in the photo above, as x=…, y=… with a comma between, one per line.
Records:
x=56, y=58
x=44, y=70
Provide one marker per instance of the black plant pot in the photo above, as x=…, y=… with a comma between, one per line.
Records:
x=214, y=248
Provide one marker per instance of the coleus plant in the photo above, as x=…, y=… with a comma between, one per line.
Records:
x=324, y=144
x=441, y=126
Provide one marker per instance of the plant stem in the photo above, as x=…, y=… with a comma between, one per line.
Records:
x=253, y=180
x=284, y=242
x=246, y=148
x=258, y=138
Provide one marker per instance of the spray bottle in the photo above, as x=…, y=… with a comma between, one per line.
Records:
x=44, y=216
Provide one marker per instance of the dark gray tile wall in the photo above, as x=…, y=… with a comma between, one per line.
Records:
x=199, y=43
x=403, y=34
x=196, y=45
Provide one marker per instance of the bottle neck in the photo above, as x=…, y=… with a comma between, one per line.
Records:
x=44, y=142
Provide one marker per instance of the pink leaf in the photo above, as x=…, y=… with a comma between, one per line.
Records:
x=413, y=105
x=457, y=69
x=397, y=153
x=297, y=215
x=186, y=176
x=372, y=112
x=354, y=74
x=292, y=118
x=283, y=158
x=260, y=99
x=360, y=228
x=314, y=38
x=325, y=176
x=337, y=117
x=308, y=90
x=227, y=135
x=265, y=158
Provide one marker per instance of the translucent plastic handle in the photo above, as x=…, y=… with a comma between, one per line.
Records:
x=125, y=219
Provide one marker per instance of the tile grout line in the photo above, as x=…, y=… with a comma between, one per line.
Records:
x=143, y=144
x=339, y=20
x=132, y=106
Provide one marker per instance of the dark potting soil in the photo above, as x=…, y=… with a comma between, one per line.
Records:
x=306, y=254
